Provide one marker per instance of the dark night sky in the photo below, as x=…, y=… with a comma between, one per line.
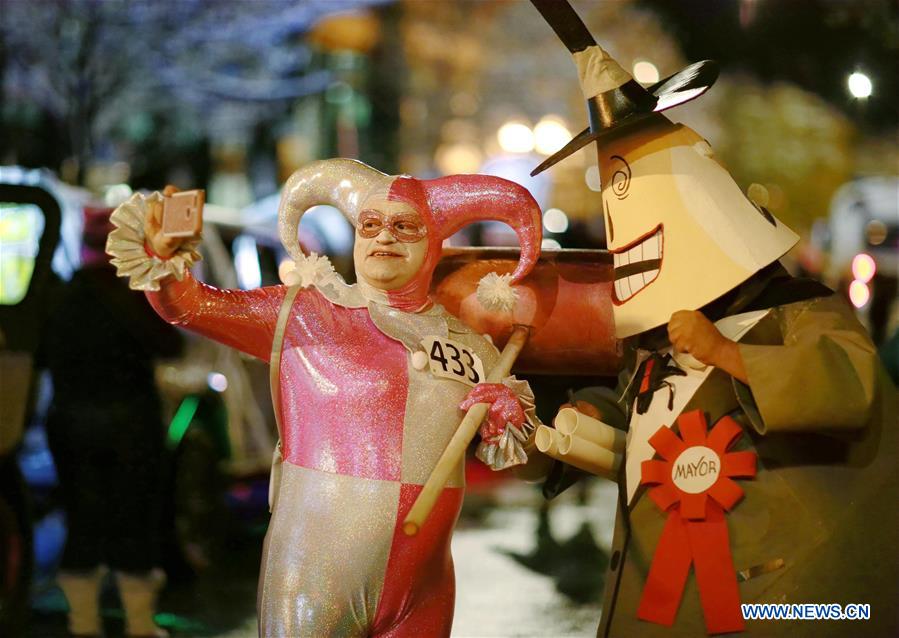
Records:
x=813, y=43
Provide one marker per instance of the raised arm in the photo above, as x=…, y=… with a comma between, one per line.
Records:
x=159, y=265
x=242, y=319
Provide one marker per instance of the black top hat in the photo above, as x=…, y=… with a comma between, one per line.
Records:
x=627, y=102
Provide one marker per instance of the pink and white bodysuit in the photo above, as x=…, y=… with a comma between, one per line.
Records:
x=362, y=430
x=363, y=418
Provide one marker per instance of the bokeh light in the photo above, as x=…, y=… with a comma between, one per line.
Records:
x=860, y=85
x=550, y=135
x=550, y=244
x=515, y=137
x=645, y=72
x=863, y=267
x=591, y=177
x=458, y=158
x=217, y=381
x=859, y=293
x=555, y=220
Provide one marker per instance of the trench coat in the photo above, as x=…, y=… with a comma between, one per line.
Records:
x=818, y=522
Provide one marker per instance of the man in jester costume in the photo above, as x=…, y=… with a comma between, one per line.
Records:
x=369, y=382
x=759, y=464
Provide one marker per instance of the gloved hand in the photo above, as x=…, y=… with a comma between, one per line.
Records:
x=504, y=409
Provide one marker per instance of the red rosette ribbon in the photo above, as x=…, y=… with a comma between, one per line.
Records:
x=693, y=483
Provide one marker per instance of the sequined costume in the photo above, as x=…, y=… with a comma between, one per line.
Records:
x=363, y=416
x=362, y=429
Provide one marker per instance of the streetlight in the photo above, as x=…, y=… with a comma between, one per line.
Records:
x=645, y=72
x=860, y=85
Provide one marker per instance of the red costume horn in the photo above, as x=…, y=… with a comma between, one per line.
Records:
x=458, y=200
x=450, y=203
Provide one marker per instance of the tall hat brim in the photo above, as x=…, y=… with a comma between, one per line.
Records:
x=616, y=108
x=629, y=102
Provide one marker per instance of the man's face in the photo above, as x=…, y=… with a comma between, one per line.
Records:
x=391, y=243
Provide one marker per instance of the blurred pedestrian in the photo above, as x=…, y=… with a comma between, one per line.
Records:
x=106, y=434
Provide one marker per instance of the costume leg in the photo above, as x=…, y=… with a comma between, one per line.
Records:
x=432, y=615
x=419, y=586
x=79, y=456
x=325, y=554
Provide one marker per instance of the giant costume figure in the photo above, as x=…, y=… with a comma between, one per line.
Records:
x=714, y=326
x=363, y=420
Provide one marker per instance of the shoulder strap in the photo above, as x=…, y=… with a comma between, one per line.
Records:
x=274, y=374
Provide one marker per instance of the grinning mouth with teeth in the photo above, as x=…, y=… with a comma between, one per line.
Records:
x=637, y=265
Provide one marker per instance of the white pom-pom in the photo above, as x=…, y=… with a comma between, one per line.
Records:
x=291, y=278
x=495, y=292
x=287, y=273
x=419, y=360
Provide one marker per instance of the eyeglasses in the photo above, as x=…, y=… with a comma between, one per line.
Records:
x=405, y=227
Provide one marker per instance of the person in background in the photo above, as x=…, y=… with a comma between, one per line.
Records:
x=106, y=434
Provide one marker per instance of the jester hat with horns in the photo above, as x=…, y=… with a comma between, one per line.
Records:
x=445, y=205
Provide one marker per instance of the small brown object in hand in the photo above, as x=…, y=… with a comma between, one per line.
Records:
x=182, y=214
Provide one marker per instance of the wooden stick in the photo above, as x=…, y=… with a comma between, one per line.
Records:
x=455, y=450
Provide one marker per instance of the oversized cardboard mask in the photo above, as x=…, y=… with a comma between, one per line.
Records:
x=681, y=231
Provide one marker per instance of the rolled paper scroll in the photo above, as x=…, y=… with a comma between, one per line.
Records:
x=588, y=456
x=547, y=441
x=570, y=421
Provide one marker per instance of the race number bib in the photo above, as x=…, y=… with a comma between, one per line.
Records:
x=452, y=360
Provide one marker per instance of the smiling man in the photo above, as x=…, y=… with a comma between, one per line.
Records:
x=390, y=244
x=367, y=382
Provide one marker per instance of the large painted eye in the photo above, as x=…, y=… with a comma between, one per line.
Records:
x=621, y=177
x=609, y=226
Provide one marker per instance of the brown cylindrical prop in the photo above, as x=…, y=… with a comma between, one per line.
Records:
x=570, y=421
x=566, y=302
x=548, y=440
x=589, y=457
